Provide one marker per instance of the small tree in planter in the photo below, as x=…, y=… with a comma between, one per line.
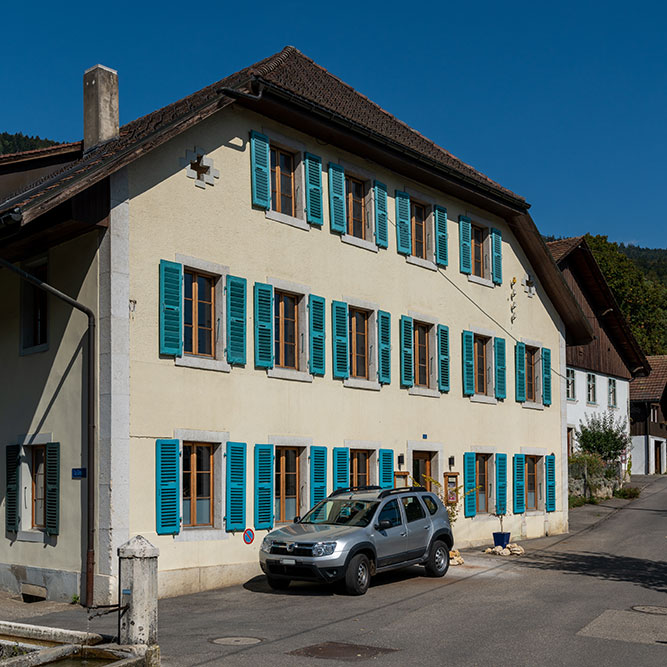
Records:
x=502, y=538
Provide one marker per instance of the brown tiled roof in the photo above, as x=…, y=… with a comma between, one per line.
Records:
x=291, y=72
x=41, y=152
x=563, y=247
x=651, y=388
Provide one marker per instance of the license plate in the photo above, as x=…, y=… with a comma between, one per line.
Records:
x=287, y=561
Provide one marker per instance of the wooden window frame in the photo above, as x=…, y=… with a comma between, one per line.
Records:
x=280, y=485
x=349, y=205
x=531, y=373
x=195, y=314
x=451, y=499
x=536, y=459
x=428, y=457
x=276, y=179
x=426, y=328
x=611, y=393
x=591, y=389
x=354, y=467
x=355, y=372
x=482, y=387
x=485, y=459
x=478, y=248
x=570, y=384
x=279, y=343
x=424, y=227
x=37, y=486
x=193, y=482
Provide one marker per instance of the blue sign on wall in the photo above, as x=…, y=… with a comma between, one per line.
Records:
x=78, y=473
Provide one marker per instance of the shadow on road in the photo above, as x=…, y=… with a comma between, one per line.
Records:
x=646, y=573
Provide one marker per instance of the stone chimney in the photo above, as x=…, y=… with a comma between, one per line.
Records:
x=100, y=106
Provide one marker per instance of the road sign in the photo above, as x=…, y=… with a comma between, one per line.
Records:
x=248, y=535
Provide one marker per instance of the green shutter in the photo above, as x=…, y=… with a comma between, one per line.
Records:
x=501, y=483
x=519, y=483
x=52, y=478
x=171, y=313
x=261, y=170
x=317, y=334
x=235, y=486
x=381, y=229
x=386, y=468
x=499, y=358
x=264, y=487
x=441, y=252
x=403, y=227
x=443, y=357
x=167, y=487
x=384, y=347
x=546, y=376
x=263, y=325
x=550, y=474
x=318, y=474
x=339, y=324
x=12, y=467
x=468, y=360
x=469, y=484
x=313, y=189
x=407, y=352
x=520, y=362
x=341, y=468
x=497, y=256
x=337, y=213
x=236, y=320
x=465, y=244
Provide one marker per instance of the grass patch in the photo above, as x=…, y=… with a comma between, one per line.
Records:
x=627, y=492
x=579, y=501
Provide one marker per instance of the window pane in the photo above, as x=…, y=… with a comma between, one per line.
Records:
x=204, y=315
x=413, y=509
x=187, y=452
x=203, y=485
x=187, y=342
x=290, y=485
x=290, y=356
x=186, y=512
x=203, y=512
x=203, y=458
x=390, y=512
x=290, y=509
x=187, y=312
x=188, y=285
x=290, y=460
x=204, y=341
x=186, y=485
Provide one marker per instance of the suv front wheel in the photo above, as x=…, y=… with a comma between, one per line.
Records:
x=358, y=575
x=438, y=560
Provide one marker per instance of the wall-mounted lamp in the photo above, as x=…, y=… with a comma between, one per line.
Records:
x=451, y=462
x=401, y=460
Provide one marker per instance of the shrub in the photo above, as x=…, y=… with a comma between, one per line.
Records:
x=576, y=501
x=627, y=492
x=584, y=462
x=603, y=435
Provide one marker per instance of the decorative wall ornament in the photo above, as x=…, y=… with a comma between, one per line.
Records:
x=199, y=167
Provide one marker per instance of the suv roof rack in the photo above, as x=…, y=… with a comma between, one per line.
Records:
x=402, y=489
x=353, y=489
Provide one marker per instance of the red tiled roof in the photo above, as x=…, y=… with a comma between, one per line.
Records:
x=651, y=388
x=563, y=247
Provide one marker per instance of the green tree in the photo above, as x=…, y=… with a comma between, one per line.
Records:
x=603, y=435
x=15, y=143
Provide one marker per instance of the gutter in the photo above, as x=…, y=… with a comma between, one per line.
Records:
x=90, y=417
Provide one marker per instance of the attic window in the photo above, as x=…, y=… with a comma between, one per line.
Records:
x=200, y=168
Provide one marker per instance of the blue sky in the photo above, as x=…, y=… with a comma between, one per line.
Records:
x=564, y=103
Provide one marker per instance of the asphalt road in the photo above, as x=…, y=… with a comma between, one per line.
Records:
x=568, y=601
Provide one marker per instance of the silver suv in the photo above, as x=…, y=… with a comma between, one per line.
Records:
x=356, y=533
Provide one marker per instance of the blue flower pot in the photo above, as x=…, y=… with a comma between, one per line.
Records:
x=501, y=539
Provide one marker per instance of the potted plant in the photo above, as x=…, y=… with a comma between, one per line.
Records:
x=501, y=539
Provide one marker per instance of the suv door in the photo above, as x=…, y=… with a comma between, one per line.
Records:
x=419, y=526
x=390, y=544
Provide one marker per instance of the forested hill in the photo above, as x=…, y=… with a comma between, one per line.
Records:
x=15, y=143
x=652, y=261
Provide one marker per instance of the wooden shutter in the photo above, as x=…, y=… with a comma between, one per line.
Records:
x=501, y=483
x=497, y=256
x=469, y=484
x=520, y=361
x=341, y=467
x=339, y=324
x=261, y=170
x=386, y=468
x=318, y=474
x=171, y=313
x=337, y=212
x=235, y=486
x=12, y=467
x=313, y=189
x=550, y=474
x=407, y=352
x=264, y=487
x=167, y=487
x=465, y=244
x=236, y=320
x=519, y=483
x=263, y=325
x=317, y=334
x=499, y=359
x=384, y=347
x=381, y=230
x=52, y=491
x=443, y=357
x=468, y=359
x=403, y=227
x=546, y=376
x=441, y=251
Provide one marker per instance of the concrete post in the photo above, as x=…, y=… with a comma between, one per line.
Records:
x=138, y=590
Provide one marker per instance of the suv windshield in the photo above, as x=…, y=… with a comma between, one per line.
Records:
x=342, y=512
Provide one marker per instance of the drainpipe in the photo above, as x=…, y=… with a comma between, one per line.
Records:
x=90, y=556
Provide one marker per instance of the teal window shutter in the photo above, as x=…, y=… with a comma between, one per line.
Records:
x=318, y=474
x=443, y=357
x=550, y=474
x=264, y=487
x=12, y=467
x=501, y=483
x=171, y=312
x=236, y=320
x=337, y=213
x=403, y=227
x=546, y=376
x=499, y=359
x=465, y=244
x=381, y=228
x=519, y=483
x=384, y=347
x=167, y=487
x=316, y=329
x=52, y=496
x=386, y=468
x=441, y=251
x=235, y=486
x=497, y=256
x=313, y=189
x=407, y=352
x=263, y=325
x=341, y=467
x=339, y=324
x=468, y=357
x=261, y=174
x=520, y=361
x=469, y=484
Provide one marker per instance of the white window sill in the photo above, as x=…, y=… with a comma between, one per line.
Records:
x=287, y=220
x=591, y=405
x=289, y=374
x=531, y=405
x=534, y=512
x=358, y=383
x=424, y=263
x=203, y=363
x=200, y=534
x=359, y=243
x=483, y=398
x=424, y=391
x=572, y=400
x=35, y=349
x=36, y=535
x=480, y=281
x=612, y=407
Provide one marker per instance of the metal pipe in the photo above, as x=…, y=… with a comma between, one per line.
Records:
x=90, y=554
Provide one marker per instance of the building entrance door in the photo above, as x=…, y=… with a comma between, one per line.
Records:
x=421, y=468
x=658, y=457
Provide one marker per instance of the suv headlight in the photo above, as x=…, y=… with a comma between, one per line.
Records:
x=267, y=543
x=324, y=548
